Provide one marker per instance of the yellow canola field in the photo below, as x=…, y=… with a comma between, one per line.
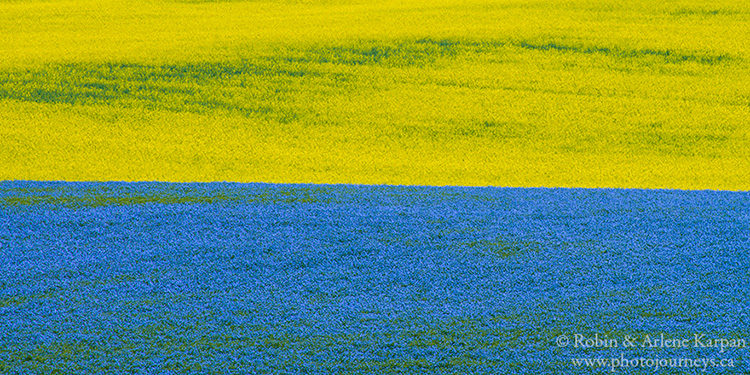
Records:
x=577, y=93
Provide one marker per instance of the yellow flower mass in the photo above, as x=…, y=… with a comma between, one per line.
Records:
x=575, y=93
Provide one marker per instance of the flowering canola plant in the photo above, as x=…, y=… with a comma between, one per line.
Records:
x=580, y=93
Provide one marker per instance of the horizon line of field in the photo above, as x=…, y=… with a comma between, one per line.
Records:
x=134, y=183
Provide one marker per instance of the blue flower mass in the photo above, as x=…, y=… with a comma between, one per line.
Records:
x=160, y=278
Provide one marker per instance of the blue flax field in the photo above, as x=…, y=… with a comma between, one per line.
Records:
x=165, y=278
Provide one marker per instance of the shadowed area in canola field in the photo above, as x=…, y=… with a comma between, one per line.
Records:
x=215, y=278
x=570, y=94
x=232, y=85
